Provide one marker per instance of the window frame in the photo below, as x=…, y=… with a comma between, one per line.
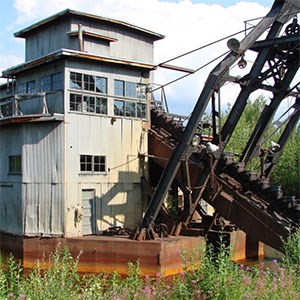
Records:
x=94, y=164
x=117, y=108
x=88, y=104
x=28, y=87
x=88, y=83
x=53, y=82
x=15, y=164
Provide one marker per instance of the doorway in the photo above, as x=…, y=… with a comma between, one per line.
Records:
x=89, y=218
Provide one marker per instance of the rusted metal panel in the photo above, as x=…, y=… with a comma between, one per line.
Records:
x=109, y=254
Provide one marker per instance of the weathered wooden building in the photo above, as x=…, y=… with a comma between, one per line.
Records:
x=73, y=121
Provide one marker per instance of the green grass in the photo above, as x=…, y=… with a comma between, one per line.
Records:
x=216, y=277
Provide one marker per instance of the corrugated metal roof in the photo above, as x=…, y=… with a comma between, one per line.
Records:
x=73, y=53
x=24, y=32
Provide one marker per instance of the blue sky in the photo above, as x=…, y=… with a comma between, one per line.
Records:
x=186, y=24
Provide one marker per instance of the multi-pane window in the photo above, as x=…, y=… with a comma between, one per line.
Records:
x=119, y=107
x=129, y=89
x=131, y=109
x=26, y=87
x=87, y=82
x=86, y=103
x=86, y=163
x=15, y=164
x=93, y=163
x=99, y=164
x=53, y=82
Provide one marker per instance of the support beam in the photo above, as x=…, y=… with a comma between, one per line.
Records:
x=269, y=110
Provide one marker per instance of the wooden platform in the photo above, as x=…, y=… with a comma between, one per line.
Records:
x=107, y=254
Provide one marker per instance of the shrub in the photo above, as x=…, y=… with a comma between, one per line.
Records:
x=291, y=248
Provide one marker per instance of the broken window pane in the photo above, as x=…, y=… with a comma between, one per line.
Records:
x=89, y=102
x=101, y=85
x=119, y=107
x=101, y=106
x=75, y=81
x=141, y=110
x=130, y=109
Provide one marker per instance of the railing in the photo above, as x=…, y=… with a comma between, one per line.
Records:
x=43, y=103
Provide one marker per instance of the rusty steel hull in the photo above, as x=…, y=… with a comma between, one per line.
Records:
x=100, y=254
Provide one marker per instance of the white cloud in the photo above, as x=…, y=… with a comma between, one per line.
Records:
x=185, y=25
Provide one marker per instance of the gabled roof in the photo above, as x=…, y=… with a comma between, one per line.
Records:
x=69, y=12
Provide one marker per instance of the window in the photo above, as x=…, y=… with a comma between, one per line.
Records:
x=31, y=87
x=130, y=89
x=119, y=107
x=26, y=87
x=86, y=163
x=84, y=103
x=101, y=85
x=89, y=103
x=119, y=87
x=15, y=164
x=22, y=88
x=75, y=81
x=141, y=90
x=45, y=83
x=99, y=164
x=92, y=163
x=101, y=106
x=141, y=110
x=87, y=82
x=130, y=109
x=52, y=82
x=75, y=102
